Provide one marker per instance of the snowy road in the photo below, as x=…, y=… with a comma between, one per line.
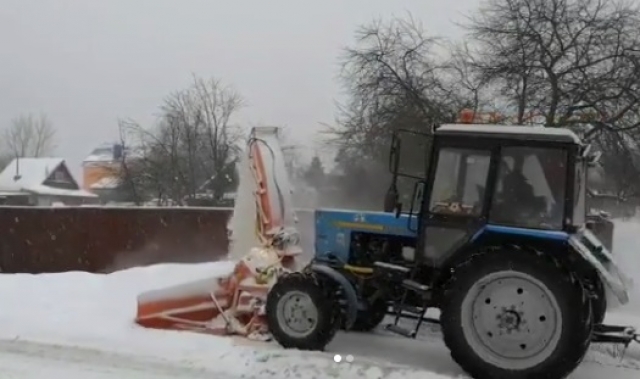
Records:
x=26, y=360
x=78, y=325
x=32, y=360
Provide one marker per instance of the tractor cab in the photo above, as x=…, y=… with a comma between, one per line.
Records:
x=500, y=246
x=526, y=179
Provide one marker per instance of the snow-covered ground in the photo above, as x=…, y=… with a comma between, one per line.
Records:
x=79, y=325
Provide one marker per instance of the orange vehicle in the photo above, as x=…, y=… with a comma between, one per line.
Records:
x=264, y=242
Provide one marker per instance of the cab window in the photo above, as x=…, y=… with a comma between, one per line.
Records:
x=460, y=180
x=530, y=188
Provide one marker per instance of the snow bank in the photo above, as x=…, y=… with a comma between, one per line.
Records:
x=626, y=248
x=90, y=311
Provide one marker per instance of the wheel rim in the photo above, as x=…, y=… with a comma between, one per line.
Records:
x=297, y=314
x=511, y=320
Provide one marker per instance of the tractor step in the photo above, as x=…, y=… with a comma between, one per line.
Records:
x=421, y=289
x=614, y=334
x=410, y=312
x=401, y=331
x=417, y=311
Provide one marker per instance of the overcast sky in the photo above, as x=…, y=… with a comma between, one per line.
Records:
x=87, y=63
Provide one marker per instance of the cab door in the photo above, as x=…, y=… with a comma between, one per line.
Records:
x=456, y=200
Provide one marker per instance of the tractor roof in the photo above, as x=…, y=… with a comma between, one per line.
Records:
x=519, y=132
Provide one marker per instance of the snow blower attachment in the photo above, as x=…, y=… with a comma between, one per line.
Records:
x=264, y=242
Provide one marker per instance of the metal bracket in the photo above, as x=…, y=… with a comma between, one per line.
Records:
x=615, y=334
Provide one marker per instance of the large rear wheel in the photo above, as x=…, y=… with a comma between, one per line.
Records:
x=598, y=301
x=302, y=312
x=515, y=314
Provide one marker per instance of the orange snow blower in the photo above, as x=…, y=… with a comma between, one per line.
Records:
x=264, y=242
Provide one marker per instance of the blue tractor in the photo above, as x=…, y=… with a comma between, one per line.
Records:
x=495, y=237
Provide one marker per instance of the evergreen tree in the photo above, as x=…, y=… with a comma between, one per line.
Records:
x=314, y=175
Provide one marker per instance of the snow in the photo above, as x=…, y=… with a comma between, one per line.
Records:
x=79, y=314
x=262, y=142
x=511, y=129
x=103, y=153
x=31, y=173
x=51, y=191
x=79, y=325
x=625, y=249
x=109, y=182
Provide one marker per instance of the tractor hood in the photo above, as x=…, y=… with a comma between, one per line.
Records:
x=594, y=251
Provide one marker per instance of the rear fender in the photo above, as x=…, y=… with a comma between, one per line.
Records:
x=494, y=236
x=614, y=279
x=349, y=291
x=597, y=257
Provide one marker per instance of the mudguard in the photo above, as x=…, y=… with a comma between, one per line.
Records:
x=349, y=291
x=609, y=272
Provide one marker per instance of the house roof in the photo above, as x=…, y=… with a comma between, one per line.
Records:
x=29, y=174
x=102, y=153
x=105, y=153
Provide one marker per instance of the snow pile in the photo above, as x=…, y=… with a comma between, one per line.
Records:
x=627, y=252
x=86, y=312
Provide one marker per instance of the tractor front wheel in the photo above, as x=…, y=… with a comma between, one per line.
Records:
x=515, y=314
x=302, y=312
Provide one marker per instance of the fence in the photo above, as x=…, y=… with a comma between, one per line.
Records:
x=103, y=239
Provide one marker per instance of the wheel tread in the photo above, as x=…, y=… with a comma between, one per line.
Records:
x=322, y=294
x=467, y=359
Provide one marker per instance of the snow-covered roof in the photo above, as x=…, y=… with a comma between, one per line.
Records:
x=108, y=182
x=29, y=174
x=102, y=153
x=51, y=191
x=534, y=130
x=105, y=153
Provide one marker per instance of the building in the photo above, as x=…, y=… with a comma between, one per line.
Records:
x=101, y=168
x=42, y=182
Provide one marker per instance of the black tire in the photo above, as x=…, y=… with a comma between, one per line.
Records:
x=372, y=317
x=572, y=306
x=328, y=309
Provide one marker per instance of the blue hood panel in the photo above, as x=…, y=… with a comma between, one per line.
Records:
x=334, y=228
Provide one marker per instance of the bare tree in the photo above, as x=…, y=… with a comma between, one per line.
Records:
x=29, y=136
x=397, y=78
x=190, y=155
x=568, y=61
x=391, y=72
